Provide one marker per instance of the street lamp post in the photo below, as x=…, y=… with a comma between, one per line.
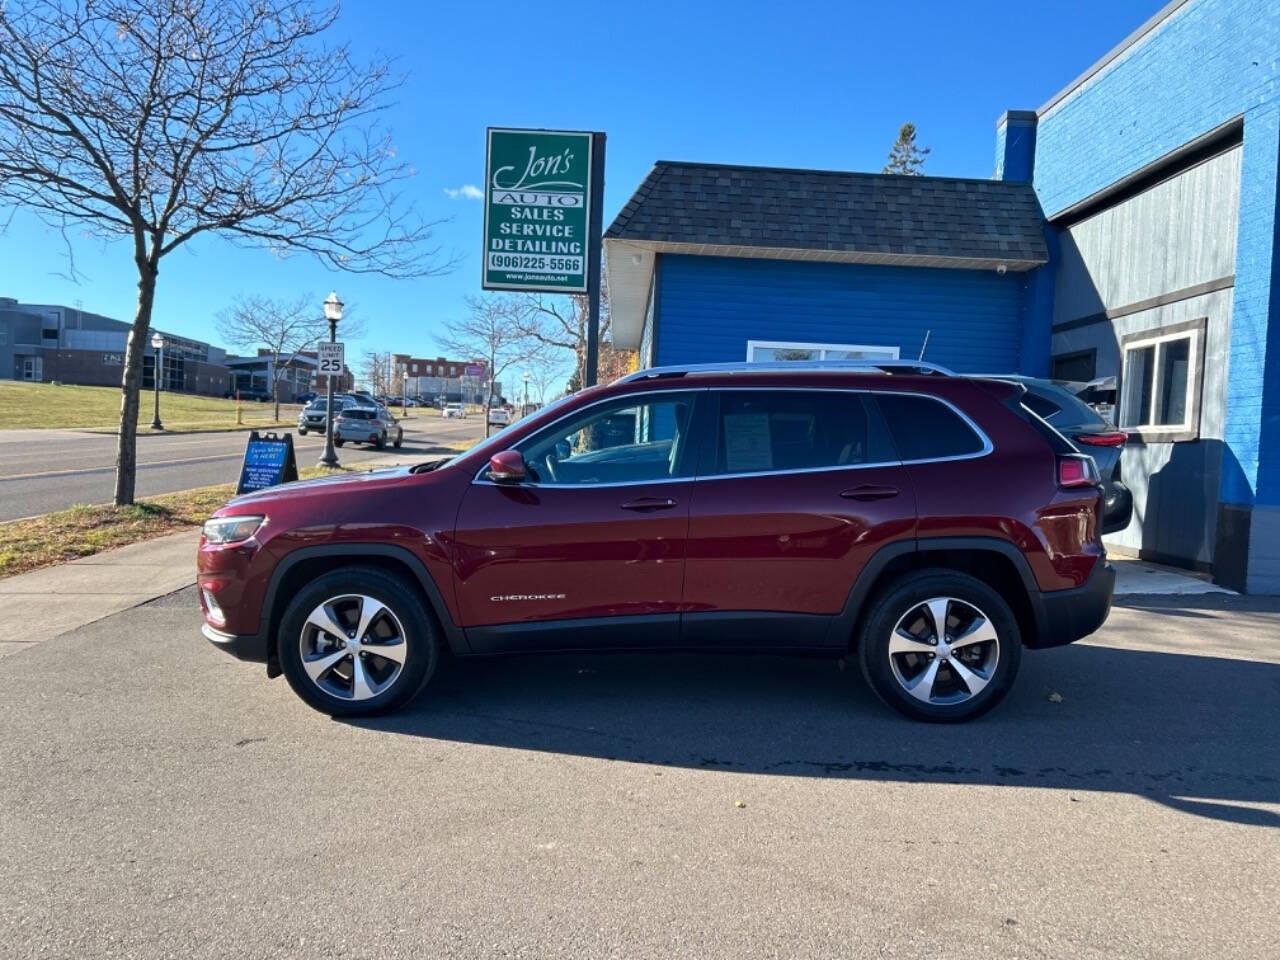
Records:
x=525, y=409
x=332, y=313
x=404, y=396
x=157, y=371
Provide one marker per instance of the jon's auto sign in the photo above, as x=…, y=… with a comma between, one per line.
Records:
x=537, y=199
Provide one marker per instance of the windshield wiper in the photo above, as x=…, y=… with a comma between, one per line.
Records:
x=426, y=467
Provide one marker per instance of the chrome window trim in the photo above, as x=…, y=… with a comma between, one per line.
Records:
x=987, y=447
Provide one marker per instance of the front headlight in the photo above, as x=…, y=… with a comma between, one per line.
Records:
x=231, y=529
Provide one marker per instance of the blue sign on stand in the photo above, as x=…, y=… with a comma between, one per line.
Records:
x=268, y=461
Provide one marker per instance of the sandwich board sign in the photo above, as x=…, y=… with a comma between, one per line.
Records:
x=537, y=203
x=268, y=461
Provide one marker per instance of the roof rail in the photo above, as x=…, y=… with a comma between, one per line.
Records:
x=791, y=366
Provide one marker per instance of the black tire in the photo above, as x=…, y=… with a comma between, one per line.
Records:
x=381, y=442
x=403, y=600
x=399, y=439
x=302, y=431
x=907, y=595
x=338, y=441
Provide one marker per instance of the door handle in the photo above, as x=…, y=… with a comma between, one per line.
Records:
x=869, y=491
x=649, y=503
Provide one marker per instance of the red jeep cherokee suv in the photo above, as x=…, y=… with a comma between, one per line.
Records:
x=931, y=525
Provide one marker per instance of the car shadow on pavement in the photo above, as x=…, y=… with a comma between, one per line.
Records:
x=1192, y=732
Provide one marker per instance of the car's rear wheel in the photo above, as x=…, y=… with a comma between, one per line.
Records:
x=338, y=441
x=357, y=641
x=380, y=441
x=302, y=431
x=399, y=439
x=941, y=646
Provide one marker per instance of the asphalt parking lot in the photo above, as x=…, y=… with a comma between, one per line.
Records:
x=164, y=800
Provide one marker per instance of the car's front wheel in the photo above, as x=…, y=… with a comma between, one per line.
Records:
x=940, y=646
x=302, y=431
x=357, y=641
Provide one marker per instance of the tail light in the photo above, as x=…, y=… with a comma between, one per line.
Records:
x=1117, y=439
x=1077, y=470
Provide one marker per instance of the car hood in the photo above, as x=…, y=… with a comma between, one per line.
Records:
x=327, y=486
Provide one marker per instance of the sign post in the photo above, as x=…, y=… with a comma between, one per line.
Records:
x=543, y=216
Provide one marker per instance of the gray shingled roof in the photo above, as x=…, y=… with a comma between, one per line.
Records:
x=879, y=215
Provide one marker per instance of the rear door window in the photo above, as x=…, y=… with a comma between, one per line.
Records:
x=924, y=428
x=772, y=431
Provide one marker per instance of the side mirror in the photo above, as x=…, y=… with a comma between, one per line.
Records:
x=507, y=466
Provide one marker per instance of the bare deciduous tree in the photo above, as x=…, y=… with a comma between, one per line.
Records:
x=491, y=333
x=157, y=121
x=560, y=322
x=283, y=327
x=378, y=372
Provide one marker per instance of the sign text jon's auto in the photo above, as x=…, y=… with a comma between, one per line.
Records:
x=537, y=199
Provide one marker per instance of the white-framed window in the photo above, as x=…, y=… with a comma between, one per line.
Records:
x=1161, y=373
x=766, y=351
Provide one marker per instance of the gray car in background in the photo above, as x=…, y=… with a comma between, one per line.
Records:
x=312, y=416
x=1059, y=403
x=364, y=424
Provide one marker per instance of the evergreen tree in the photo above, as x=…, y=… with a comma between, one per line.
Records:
x=906, y=157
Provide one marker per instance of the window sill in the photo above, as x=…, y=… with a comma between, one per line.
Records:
x=1146, y=435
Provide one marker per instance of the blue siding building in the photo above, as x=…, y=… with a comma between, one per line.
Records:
x=1129, y=237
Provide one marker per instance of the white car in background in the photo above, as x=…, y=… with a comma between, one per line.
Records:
x=499, y=416
x=454, y=410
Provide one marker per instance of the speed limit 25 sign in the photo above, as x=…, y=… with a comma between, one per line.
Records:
x=331, y=357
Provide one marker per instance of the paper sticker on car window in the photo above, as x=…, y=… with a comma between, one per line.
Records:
x=746, y=442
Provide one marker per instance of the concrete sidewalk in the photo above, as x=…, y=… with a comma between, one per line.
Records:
x=51, y=601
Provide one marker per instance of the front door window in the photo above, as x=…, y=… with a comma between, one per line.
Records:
x=627, y=441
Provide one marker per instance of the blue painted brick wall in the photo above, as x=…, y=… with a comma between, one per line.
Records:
x=711, y=306
x=1210, y=62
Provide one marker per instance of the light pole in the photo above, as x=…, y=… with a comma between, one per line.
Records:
x=404, y=396
x=157, y=371
x=525, y=409
x=332, y=313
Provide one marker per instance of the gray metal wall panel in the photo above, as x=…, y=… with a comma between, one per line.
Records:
x=1177, y=234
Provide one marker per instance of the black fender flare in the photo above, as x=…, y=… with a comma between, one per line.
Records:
x=846, y=622
x=453, y=633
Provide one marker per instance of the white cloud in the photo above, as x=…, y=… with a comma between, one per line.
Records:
x=468, y=191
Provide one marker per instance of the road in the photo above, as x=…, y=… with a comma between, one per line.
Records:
x=164, y=800
x=46, y=470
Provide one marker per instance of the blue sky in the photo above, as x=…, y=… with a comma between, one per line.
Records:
x=796, y=84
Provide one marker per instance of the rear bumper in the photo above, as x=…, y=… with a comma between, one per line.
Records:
x=1064, y=616
x=252, y=648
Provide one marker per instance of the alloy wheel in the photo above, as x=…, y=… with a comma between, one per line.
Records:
x=353, y=647
x=944, y=651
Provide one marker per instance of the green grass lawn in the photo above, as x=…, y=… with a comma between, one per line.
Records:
x=48, y=405
x=83, y=530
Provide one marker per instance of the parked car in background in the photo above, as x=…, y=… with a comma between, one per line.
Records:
x=1059, y=403
x=928, y=525
x=250, y=394
x=499, y=416
x=304, y=398
x=312, y=416
x=456, y=410
x=372, y=425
